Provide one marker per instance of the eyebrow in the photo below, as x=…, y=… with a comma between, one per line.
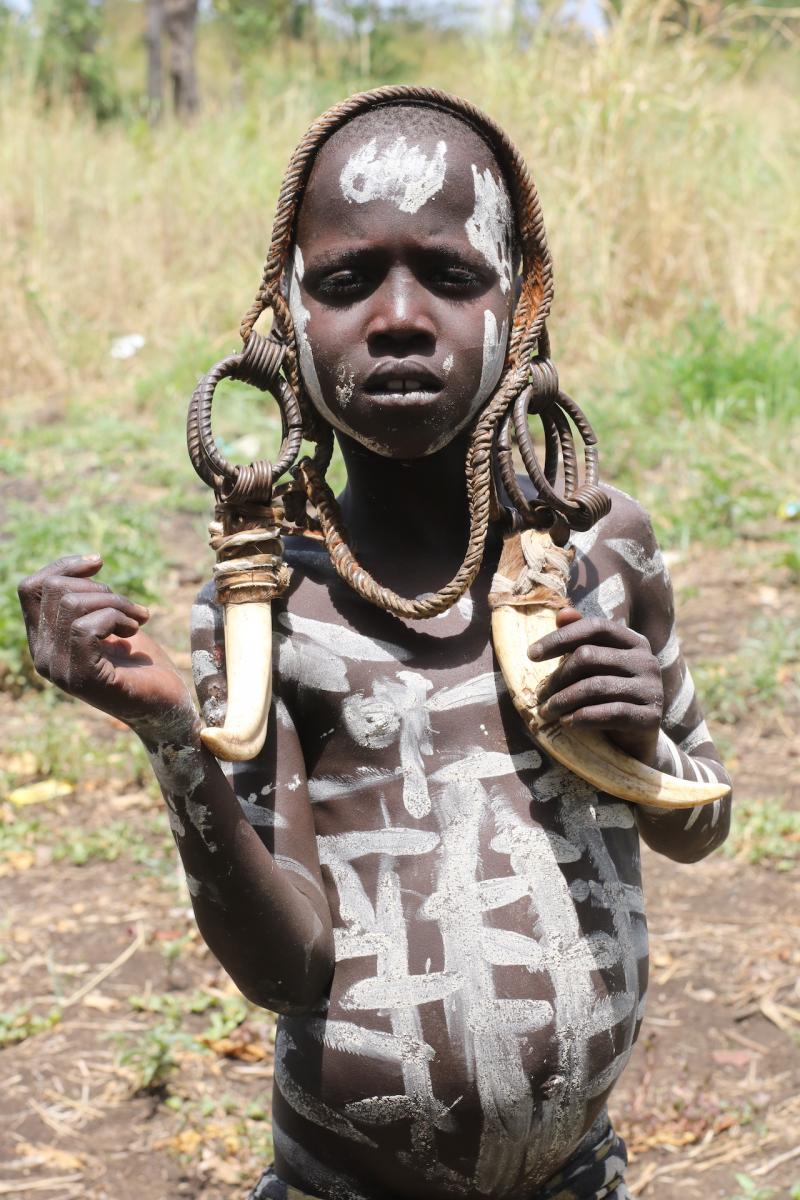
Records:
x=353, y=255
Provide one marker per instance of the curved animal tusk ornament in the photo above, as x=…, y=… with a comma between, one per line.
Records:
x=527, y=591
x=248, y=659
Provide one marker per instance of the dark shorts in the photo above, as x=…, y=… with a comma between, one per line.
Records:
x=595, y=1172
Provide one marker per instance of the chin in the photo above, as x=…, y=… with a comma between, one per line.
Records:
x=404, y=449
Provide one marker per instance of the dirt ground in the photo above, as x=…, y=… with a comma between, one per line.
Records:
x=712, y=1092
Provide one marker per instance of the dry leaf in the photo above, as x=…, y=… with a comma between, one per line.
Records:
x=704, y=995
x=225, y=1172
x=229, y=1047
x=39, y=793
x=100, y=1002
x=122, y=803
x=18, y=860
x=23, y=764
x=732, y=1058
x=185, y=1142
x=50, y=1156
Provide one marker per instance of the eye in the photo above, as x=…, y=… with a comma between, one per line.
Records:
x=457, y=280
x=345, y=284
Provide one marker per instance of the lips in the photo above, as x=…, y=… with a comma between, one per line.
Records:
x=402, y=378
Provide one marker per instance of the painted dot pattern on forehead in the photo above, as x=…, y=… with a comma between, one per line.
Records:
x=404, y=175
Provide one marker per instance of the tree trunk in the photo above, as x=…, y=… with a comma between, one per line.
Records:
x=312, y=32
x=181, y=22
x=152, y=37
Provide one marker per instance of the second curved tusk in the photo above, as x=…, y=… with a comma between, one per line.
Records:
x=248, y=660
x=591, y=756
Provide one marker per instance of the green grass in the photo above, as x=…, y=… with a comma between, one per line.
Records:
x=750, y=1189
x=703, y=427
x=765, y=832
x=19, y=1023
x=764, y=671
x=36, y=748
x=79, y=847
x=154, y=1054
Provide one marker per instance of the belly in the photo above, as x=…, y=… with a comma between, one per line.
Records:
x=489, y=972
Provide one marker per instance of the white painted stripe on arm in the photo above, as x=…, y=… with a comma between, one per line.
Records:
x=670, y=651
x=681, y=703
x=666, y=743
x=633, y=553
x=605, y=598
x=698, y=736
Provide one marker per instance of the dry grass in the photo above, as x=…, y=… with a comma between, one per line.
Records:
x=667, y=169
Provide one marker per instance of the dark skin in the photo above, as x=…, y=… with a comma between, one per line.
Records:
x=381, y=709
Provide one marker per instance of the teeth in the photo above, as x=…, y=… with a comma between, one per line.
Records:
x=395, y=385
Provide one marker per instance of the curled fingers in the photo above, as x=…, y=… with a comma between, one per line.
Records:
x=589, y=630
x=31, y=589
x=85, y=661
x=73, y=607
x=590, y=660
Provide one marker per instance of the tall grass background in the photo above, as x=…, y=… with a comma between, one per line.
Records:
x=668, y=168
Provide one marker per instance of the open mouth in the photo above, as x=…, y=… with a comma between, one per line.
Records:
x=408, y=380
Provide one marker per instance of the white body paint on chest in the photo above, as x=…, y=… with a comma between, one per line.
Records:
x=489, y=228
x=402, y=174
x=348, y=643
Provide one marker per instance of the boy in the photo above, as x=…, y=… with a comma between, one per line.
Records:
x=450, y=924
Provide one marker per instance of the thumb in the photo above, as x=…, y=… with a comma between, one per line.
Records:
x=567, y=616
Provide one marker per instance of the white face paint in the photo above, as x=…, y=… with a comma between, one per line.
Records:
x=402, y=174
x=447, y=365
x=300, y=318
x=494, y=357
x=490, y=227
x=345, y=384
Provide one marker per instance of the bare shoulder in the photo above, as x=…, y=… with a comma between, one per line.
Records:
x=619, y=570
x=627, y=519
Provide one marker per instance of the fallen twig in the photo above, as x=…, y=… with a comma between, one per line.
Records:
x=778, y=1161
x=36, y=1185
x=92, y=983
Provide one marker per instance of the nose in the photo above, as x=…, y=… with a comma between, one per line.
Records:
x=400, y=323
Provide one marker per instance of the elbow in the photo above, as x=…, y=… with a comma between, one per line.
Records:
x=270, y=995
x=685, y=840
x=290, y=994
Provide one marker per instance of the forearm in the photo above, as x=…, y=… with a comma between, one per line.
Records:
x=686, y=835
x=269, y=929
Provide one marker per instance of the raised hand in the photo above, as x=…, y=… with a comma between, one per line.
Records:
x=609, y=681
x=87, y=640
